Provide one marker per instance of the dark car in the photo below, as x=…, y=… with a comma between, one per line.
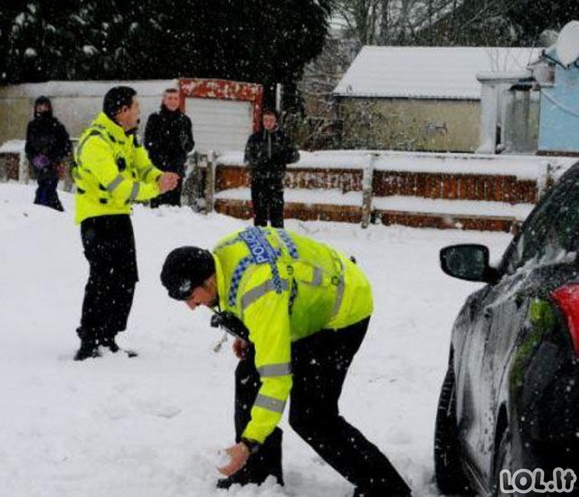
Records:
x=510, y=397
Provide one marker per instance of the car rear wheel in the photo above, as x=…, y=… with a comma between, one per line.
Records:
x=450, y=477
x=503, y=460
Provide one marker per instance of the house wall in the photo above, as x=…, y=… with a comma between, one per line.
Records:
x=410, y=124
x=75, y=103
x=560, y=113
x=224, y=113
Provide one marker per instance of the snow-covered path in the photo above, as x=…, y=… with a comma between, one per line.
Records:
x=152, y=426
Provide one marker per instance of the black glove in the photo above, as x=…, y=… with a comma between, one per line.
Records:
x=230, y=323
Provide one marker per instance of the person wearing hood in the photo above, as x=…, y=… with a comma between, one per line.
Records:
x=267, y=154
x=47, y=144
x=168, y=139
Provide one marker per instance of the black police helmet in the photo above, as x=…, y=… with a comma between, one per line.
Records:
x=185, y=269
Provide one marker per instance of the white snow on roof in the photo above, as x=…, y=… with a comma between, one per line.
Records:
x=428, y=72
x=85, y=88
x=13, y=147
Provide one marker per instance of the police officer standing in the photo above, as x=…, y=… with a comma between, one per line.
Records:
x=168, y=140
x=112, y=171
x=299, y=310
x=267, y=154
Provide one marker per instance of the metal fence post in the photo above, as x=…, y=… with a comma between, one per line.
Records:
x=367, y=177
x=211, y=158
x=545, y=180
x=23, y=168
x=189, y=192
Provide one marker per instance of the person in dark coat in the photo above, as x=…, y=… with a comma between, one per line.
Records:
x=47, y=144
x=267, y=153
x=168, y=140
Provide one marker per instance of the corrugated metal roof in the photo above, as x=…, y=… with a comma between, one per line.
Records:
x=428, y=72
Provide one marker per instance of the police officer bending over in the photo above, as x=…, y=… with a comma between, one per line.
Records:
x=299, y=310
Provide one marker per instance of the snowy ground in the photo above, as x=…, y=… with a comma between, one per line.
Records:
x=152, y=426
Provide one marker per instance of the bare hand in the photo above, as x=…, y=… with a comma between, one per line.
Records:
x=168, y=181
x=240, y=348
x=239, y=454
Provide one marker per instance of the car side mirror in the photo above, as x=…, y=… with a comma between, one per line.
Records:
x=468, y=262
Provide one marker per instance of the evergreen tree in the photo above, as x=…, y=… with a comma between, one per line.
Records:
x=531, y=18
x=250, y=40
x=34, y=34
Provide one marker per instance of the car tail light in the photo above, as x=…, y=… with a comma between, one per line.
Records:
x=567, y=298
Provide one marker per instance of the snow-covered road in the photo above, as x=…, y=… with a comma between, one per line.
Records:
x=152, y=426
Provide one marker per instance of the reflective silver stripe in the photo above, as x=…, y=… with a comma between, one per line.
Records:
x=134, y=191
x=114, y=183
x=339, y=297
x=147, y=171
x=269, y=403
x=259, y=291
x=317, y=280
x=340, y=287
x=275, y=370
x=81, y=145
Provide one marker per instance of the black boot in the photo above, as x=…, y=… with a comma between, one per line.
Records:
x=249, y=475
x=110, y=343
x=88, y=349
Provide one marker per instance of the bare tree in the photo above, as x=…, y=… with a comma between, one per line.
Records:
x=430, y=22
x=390, y=22
x=362, y=19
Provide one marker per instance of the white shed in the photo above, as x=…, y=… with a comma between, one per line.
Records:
x=420, y=98
x=224, y=113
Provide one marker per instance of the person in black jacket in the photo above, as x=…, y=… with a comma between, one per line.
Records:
x=168, y=140
x=267, y=153
x=47, y=144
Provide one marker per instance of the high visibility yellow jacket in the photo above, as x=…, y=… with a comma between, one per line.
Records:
x=285, y=287
x=112, y=171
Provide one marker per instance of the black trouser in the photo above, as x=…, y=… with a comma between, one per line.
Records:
x=267, y=200
x=46, y=193
x=319, y=365
x=109, y=247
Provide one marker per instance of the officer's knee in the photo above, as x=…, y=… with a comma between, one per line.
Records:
x=302, y=423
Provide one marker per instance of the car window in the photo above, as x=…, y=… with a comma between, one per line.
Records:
x=552, y=234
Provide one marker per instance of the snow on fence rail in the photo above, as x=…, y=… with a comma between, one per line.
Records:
x=418, y=189
x=470, y=191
